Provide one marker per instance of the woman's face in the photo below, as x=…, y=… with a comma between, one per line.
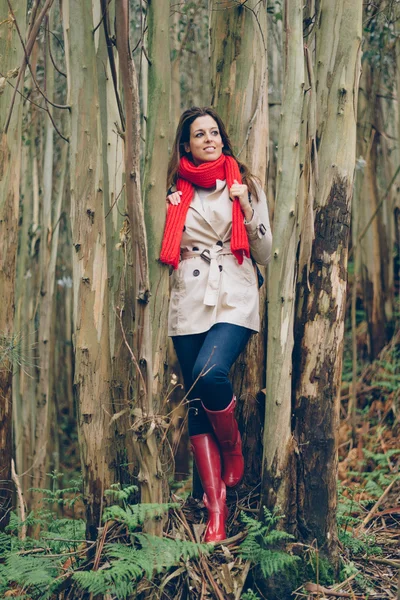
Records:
x=205, y=141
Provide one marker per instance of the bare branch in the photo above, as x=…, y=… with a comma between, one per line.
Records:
x=33, y=31
x=62, y=106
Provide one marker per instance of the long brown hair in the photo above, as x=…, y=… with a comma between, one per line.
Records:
x=183, y=136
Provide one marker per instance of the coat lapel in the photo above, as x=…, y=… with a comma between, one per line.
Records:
x=198, y=207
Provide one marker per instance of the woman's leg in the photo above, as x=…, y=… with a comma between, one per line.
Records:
x=204, y=445
x=187, y=348
x=222, y=345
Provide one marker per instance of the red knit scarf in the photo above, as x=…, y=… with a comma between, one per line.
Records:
x=205, y=176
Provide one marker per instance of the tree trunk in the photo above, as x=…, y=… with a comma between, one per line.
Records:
x=26, y=292
x=154, y=184
x=91, y=293
x=278, y=445
x=317, y=357
x=146, y=427
x=366, y=201
x=50, y=214
x=239, y=82
x=120, y=277
x=239, y=78
x=12, y=54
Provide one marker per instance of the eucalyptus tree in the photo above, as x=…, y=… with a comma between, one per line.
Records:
x=12, y=54
x=239, y=92
x=377, y=174
x=149, y=345
x=300, y=436
x=103, y=299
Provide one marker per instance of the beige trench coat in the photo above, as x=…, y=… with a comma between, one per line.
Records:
x=217, y=290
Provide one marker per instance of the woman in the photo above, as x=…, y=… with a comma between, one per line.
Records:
x=217, y=220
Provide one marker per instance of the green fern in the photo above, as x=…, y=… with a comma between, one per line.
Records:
x=134, y=515
x=34, y=572
x=125, y=565
x=263, y=544
x=121, y=493
x=349, y=515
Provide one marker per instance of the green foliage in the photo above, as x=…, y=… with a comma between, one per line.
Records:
x=263, y=544
x=34, y=572
x=349, y=515
x=65, y=496
x=319, y=568
x=36, y=568
x=125, y=565
x=249, y=595
x=380, y=34
x=122, y=494
x=275, y=9
x=136, y=514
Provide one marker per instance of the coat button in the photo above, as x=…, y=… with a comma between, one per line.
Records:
x=195, y=249
x=219, y=243
x=220, y=267
x=196, y=273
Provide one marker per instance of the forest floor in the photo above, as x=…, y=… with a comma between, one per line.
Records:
x=56, y=565
x=368, y=509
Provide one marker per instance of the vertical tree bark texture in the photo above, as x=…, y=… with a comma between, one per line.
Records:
x=317, y=358
x=278, y=447
x=177, y=49
x=239, y=78
x=366, y=202
x=147, y=425
x=120, y=276
x=50, y=214
x=11, y=53
x=239, y=83
x=275, y=76
x=91, y=293
x=26, y=292
x=154, y=182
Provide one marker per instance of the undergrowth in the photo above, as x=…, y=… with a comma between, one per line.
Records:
x=264, y=544
x=34, y=569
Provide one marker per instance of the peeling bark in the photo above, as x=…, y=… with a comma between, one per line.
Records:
x=239, y=82
x=239, y=78
x=91, y=293
x=278, y=446
x=147, y=425
x=12, y=54
x=317, y=356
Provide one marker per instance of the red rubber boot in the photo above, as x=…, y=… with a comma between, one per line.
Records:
x=208, y=461
x=227, y=433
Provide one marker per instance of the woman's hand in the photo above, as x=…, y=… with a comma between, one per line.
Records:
x=241, y=192
x=174, y=198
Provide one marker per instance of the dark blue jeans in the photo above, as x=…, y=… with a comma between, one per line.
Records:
x=205, y=360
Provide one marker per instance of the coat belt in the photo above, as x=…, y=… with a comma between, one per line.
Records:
x=210, y=255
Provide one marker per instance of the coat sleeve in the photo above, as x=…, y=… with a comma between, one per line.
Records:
x=259, y=230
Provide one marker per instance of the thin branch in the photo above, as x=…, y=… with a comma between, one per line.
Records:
x=111, y=60
x=29, y=47
x=115, y=201
x=47, y=100
x=102, y=17
x=22, y=95
x=377, y=504
x=51, y=54
x=133, y=357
